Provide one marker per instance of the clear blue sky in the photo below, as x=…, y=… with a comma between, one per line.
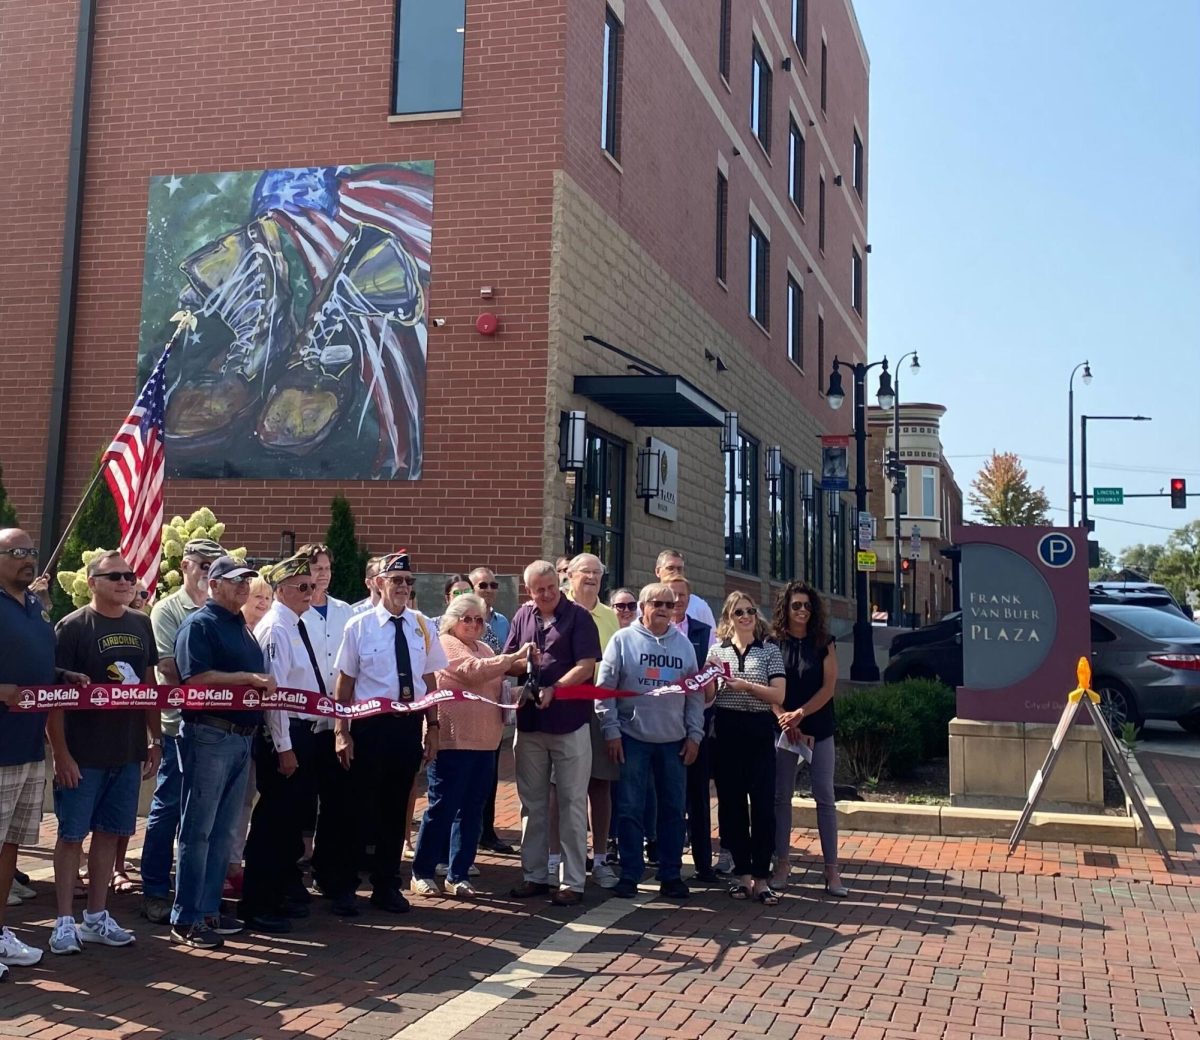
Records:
x=1034, y=192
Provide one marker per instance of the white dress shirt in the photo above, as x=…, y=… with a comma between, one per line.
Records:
x=701, y=611
x=325, y=634
x=278, y=633
x=368, y=653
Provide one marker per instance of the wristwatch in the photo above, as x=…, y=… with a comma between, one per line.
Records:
x=156, y=742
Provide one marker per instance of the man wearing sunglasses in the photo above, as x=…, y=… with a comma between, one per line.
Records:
x=100, y=757
x=284, y=755
x=214, y=649
x=162, y=823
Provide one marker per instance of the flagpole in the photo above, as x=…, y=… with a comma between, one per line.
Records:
x=183, y=320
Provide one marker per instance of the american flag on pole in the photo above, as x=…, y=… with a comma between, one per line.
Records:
x=134, y=465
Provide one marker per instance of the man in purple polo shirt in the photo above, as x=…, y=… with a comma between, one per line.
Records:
x=554, y=734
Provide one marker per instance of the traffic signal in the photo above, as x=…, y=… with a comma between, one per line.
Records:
x=906, y=565
x=1178, y=493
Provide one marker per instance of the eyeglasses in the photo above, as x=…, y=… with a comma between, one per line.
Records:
x=203, y=565
x=128, y=576
x=471, y=619
x=627, y=605
x=800, y=605
x=745, y=612
x=142, y=594
x=487, y=585
x=399, y=579
x=302, y=586
x=455, y=593
x=659, y=604
x=20, y=554
x=240, y=579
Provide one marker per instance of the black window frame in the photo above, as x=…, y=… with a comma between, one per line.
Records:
x=821, y=354
x=858, y=163
x=598, y=517
x=856, y=280
x=782, y=501
x=760, y=96
x=741, y=498
x=394, y=106
x=722, y=236
x=758, y=276
x=610, y=84
x=800, y=28
x=821, y=194
x=824, y=76
x=795, y=164
x=795, y=320
x=725, y=39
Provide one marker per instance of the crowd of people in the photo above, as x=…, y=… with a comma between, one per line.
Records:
x=245, y=801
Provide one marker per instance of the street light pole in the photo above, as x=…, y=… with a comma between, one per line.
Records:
x=899, y=486
x=863, y=667
x=1087, y=378
x=1083, y=421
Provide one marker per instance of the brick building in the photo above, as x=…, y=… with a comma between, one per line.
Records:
x=683, y=181
x=932, y=504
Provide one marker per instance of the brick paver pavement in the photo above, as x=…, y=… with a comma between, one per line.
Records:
x=941, y=938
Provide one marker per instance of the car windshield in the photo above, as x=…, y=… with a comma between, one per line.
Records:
x=1156, y=624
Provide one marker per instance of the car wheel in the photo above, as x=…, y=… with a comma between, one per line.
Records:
x=1117, y=704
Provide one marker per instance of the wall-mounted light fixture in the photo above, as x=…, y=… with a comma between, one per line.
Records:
x=786, y=64
x=837, y=180
x=806, y=485
x=572, y=440
x=774, y=465
x=729, y=433
x=835, y=505
x=287, y=544
x=647, y=484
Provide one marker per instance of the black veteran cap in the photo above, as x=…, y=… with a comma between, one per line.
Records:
x=396, y=562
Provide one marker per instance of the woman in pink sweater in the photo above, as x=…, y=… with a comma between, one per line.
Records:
x=460, y=777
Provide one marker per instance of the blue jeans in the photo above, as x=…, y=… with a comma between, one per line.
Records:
x=104, y=800
x=660, y=765
x=162, y=823
x=216, y=765
x=459, y=784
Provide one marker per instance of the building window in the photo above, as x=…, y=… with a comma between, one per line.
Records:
x=610, y=92
x=928, y=491
x=724, y=38
x=795, y=165
x=429, y=56
x=760, y=97
x=800, y=27
x=819, y=521
x=858, y=165
x=809, y=537
x=856, y=280
x=722, y=227
x=783, y=525
x=821, y=214
x=795, y=319
x=824, y=76
x=760, y=277
x=597, y=520
x=741, y=506
x=821, y=353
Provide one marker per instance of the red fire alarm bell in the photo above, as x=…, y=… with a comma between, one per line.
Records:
x=487, y=324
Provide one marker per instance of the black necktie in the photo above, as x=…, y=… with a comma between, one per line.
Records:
x=404, y=669
x=312, y=658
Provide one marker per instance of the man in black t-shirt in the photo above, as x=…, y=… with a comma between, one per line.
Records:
x=100, y=756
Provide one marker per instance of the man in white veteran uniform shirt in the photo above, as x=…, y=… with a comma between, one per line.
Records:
x=389, y=653
x=284, y=754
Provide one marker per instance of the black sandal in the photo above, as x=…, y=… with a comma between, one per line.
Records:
x=739, y=891
x=767, y=896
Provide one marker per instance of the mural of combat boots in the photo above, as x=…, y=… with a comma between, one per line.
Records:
x=367, y=316
x=239, y=285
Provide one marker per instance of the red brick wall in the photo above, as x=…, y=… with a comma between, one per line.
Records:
x=270, y=85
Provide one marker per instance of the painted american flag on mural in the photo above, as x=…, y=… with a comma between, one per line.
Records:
x=134, y=466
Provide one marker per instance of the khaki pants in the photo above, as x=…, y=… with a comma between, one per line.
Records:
x=571, y=756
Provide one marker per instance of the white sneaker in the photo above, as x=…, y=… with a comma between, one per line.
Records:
x=552, y=868
x=604, y=875
x=725, y=862
x=13, y=898
x=22, y=891
x=13, y=951
x=104, y=930
x=3, y=973
x=64, y=937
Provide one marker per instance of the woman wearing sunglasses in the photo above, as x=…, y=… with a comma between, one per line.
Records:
x=460, y=777
x=744, y=726
x=801, y=629
x=624, y=604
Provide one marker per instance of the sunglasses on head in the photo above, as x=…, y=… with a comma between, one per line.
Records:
x=128, y=576
x=302, y=586
x=745, y=612
x=20, y=554
x=799, y=605
x=471, y=619
x=487, y=585
x=399, y=579
x=626, y=605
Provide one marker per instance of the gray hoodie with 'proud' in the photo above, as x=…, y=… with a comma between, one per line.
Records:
x=638, y=660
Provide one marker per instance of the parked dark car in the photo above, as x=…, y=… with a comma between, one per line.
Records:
x=1145, y=660
x=1141, y=594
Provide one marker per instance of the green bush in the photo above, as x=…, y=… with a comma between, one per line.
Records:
x=8, y=515
x=97, y=525
x=349, y=559
x=889, y=730
x=933, y=705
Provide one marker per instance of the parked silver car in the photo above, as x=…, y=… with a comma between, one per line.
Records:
x=1146, y=665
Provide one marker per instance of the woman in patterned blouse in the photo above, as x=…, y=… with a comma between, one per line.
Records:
x=745, y=731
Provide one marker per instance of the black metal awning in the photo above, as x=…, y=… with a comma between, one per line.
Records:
x=652, y=400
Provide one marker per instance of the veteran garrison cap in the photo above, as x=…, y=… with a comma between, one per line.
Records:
x=278, y=573
x=205, y=548
x=395, y=563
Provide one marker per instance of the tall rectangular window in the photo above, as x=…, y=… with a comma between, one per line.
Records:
x=597, y=520
x=821, y=214
x=795, y=318
x=856, y=280
x=610, y=92
x=824, y=76
x=741, y=506
x=795, y=165
x=722, y=226
x=928, y=487
x=858, y=164
x=724, y=38
x=429, y=56
x=783, y=525
x=760, y=97
x=760, y=277
x=800, y=27
x=821, y=353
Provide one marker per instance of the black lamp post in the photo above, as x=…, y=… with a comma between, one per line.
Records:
x=899, y=474
x=1087, y=378
x=1083, y=421
x=863, y=667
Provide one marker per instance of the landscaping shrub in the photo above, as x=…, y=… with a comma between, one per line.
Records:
x=933, y=706
x=877, y=733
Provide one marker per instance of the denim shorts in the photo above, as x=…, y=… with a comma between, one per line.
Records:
x=105, y=800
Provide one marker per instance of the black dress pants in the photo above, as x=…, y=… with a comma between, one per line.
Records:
x=699, y=807
x=335, y=859
x=276, y=840
x=745, y=775
x=488, y=833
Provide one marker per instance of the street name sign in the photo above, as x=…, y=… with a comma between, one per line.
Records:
x=1108, y=496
